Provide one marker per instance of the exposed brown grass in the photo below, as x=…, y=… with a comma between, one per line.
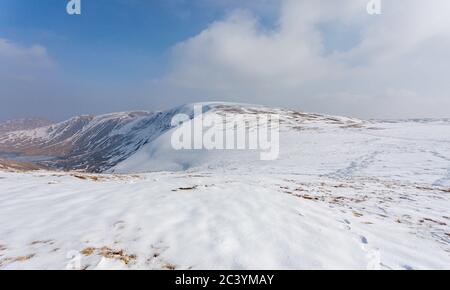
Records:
x=117, y=254
x=10, y=260
x=86, y=177
x=24, y=258
x=109, y=253
x=46, y=242
x=102, y=177
x=88, y=251
x=357, y=214
x=169, y=266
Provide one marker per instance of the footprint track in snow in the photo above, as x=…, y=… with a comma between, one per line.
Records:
x=362, y=162
x=372, y=254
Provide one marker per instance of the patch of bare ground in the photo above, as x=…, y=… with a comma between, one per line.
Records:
x=88, y=251
x=308, y=197
x=86, y=177
x=168, y=266
x=45, y=242
x=109, y=253
x=447, y=190
x=103, y=177
x=186, y=188
x=10, y=260
x=432, y=221
x=3, y=248
x=304, y=196
x=357, y=214
x=16, y=166
x=341, y=200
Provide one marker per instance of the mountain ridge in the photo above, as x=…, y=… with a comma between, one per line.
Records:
x=23, y=124
x=99, y=143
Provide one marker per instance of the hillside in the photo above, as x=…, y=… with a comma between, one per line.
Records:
x=99, y=143
x=342, y=194
x=23, y=124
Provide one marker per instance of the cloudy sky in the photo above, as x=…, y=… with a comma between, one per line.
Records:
x=314, y=55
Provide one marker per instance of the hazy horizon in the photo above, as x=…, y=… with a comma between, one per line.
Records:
x=56, y=120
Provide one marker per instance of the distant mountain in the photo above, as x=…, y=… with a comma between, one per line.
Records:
x=22, y=124
x=66, y=144
x=106, y=142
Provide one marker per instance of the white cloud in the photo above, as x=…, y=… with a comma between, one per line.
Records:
x=27, y=81
x=21, y=62
x=406, y=49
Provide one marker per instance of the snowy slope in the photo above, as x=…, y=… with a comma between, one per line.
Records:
x=22, y=124
x=159, y=154
x=83, y=142
x=344, y=194
x=234, y=220
x=318, y=144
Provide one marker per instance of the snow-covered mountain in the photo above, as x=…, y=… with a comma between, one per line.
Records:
x=99, y=143
x=159, y=155
x=342, y=194
x=23, y=124
x=83, y=142
x=133, y=142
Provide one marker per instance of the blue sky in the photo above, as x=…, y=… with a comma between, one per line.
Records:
x=122, y=43
x=313, y=55
x=132, y=37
